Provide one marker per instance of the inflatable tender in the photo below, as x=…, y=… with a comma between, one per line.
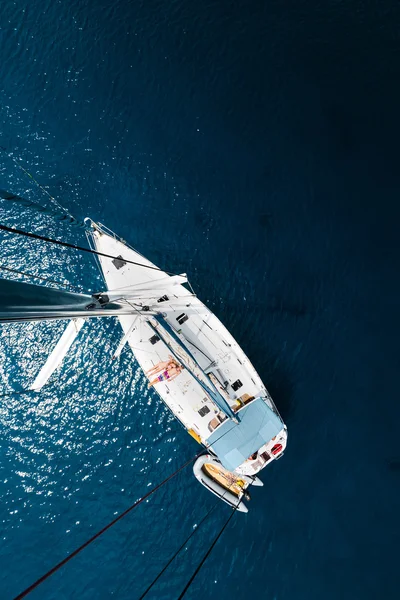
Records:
x=229, y=487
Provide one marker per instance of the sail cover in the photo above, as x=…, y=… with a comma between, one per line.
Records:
x=234, y=443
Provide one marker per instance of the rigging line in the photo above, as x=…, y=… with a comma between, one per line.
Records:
x=60, y=216
x=177, y=552
x=103, y=530
x=65, y=285
x=23, y=391
x=36, y=236
x=191, y=288
x=14, y=393
x=207, y=554
x=9, y=154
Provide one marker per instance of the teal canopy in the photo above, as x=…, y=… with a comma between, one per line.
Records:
x=233, y=442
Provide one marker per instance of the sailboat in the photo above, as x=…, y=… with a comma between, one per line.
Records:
x=189, y=357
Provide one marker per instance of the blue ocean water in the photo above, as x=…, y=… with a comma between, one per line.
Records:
x=254, y=146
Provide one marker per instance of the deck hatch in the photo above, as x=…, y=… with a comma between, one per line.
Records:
x=204, y=410
x=236, y=385
x=182, y=318
x=118, y=262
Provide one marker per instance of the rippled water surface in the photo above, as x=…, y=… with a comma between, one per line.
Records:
x=254, y=146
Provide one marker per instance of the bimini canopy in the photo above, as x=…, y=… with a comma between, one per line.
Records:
x=233, y=443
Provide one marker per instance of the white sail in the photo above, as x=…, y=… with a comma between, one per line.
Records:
x=58, y=354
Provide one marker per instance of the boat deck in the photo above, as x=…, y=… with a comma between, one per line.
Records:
x=207, y=340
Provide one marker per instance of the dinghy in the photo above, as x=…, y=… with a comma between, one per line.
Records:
x=229, y=487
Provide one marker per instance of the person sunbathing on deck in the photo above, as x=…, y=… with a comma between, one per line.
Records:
x=172, y=371
x=161, y=366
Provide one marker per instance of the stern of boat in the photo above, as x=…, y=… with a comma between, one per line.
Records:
x=266, y=455
x=227, y=486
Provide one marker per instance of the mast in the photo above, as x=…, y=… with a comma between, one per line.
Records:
x=21, y=302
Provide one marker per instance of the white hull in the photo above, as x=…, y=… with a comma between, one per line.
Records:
x=213, y=357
